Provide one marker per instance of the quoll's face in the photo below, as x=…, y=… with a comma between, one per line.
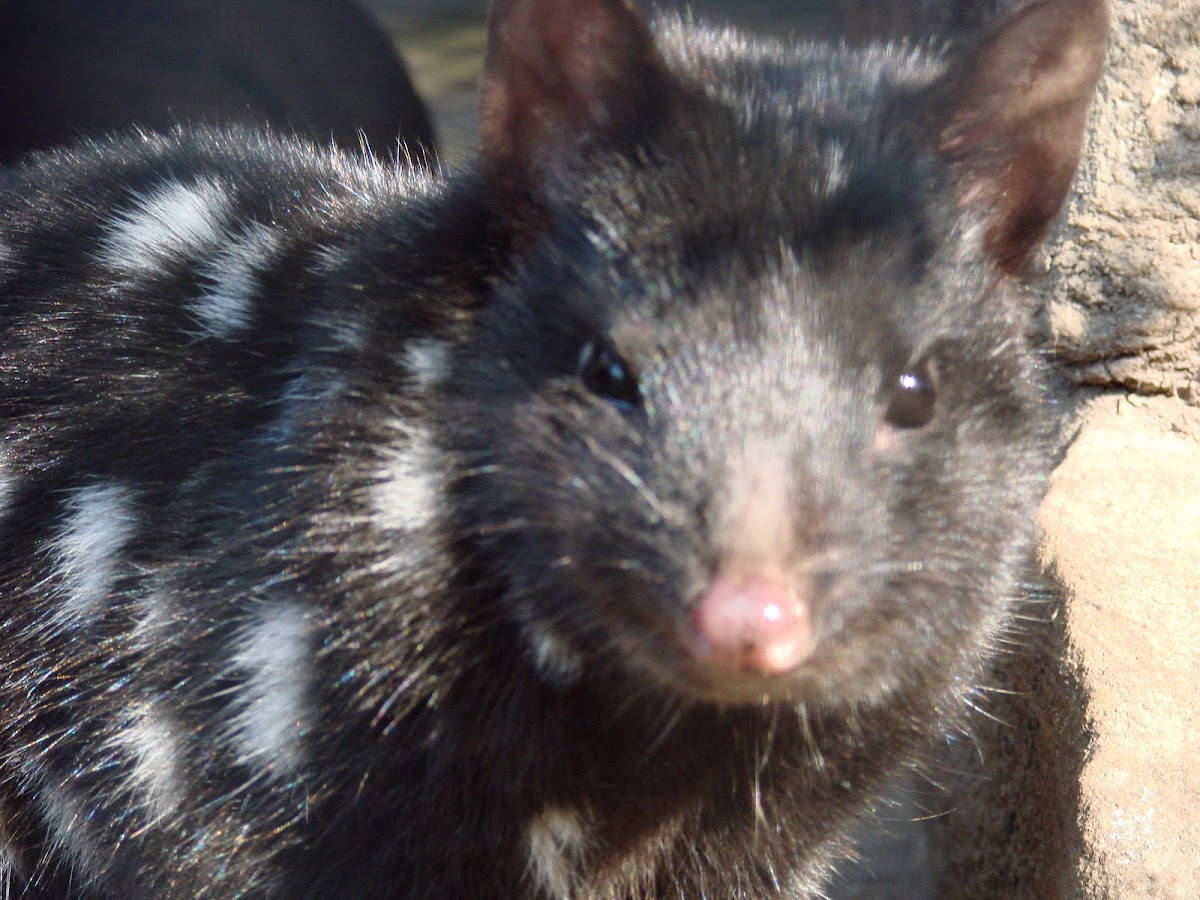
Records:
x=775, y=428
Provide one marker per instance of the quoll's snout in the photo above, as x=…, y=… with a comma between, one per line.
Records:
x=755, y=615
x=751, y=624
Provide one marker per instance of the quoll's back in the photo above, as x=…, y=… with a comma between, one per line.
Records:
x=609, y=521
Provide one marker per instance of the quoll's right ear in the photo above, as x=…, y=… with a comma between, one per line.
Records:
x=1017, y=113
x=556, y=72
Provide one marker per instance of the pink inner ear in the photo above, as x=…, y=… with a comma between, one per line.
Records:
x=1019, y=123
x=557, y=70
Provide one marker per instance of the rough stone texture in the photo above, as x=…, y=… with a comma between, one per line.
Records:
x=1124, y=283
x=1122, y=526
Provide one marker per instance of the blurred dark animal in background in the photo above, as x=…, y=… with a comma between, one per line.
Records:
x=318, y=68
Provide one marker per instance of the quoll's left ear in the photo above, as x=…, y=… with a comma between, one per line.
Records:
x=1018, y=114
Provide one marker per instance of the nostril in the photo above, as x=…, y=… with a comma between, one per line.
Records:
x=752, y=624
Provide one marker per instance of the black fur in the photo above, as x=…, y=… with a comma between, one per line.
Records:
x=793, y=257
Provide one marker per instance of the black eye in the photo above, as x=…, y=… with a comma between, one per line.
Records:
x=606, y=375
x=914, y=398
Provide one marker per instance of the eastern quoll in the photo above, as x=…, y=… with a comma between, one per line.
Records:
x=608, y=521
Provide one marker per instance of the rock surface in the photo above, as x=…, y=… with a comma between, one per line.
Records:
x=1122, y=525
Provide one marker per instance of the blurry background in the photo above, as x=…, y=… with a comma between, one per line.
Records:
x=442, y=40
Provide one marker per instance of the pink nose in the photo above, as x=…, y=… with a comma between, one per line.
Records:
x=751, y=624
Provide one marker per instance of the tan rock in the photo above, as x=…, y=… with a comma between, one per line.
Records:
x=1122, y=525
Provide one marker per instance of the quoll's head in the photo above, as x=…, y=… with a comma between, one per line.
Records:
x=753, y=414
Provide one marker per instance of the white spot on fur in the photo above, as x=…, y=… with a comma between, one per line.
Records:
x=150, y=742
x=274, y=657
x=67, y=825
x=13, y=876
x=428, y=361
x=99, y=521
x=8, y=258
x=308, y=389
x=152, y=616
x=836, y=173
x=175, y=223
x=330, y=259
x=302, y=394
x=226, y=305
x=346, y=333
x=8, y=487
x=406, y=495
x=557, y=843
x=552, y=656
